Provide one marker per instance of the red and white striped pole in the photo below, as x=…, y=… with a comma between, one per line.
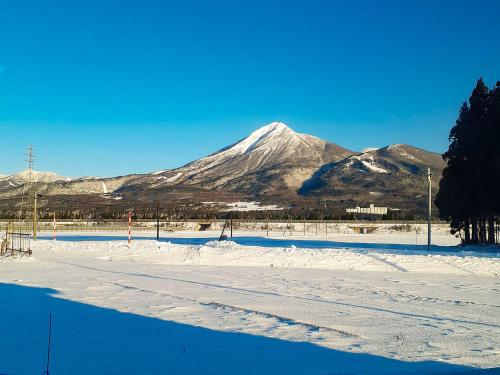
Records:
x=129, y=227
x=54, y=228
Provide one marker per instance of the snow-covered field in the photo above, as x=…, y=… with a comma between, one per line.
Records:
x=337, y=304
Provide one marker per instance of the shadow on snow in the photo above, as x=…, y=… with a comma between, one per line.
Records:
x=91, y=340
x=392, y=248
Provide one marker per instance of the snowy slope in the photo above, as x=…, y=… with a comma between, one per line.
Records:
x=37, y=176
x=222, y=308
x=274, y=160
x=391, y=174
x=13, y=184
x=392, y=159
x=272, y=157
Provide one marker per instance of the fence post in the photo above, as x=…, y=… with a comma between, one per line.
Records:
x=267, y=226
x=129, y=227
x=54, y=228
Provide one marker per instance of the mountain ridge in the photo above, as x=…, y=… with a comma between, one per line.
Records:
x=273, y=161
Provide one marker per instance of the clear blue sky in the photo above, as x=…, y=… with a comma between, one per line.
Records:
x=115, y=87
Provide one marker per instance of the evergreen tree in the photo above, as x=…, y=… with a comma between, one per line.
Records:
x=453, y=189
x=469, y=186
x=475, y=152
x=492, y=160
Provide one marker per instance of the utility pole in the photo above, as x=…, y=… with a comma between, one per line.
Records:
x=158, y=221
x=429, y=209
x=305, y=214
x=34, y=215
x=326, y=224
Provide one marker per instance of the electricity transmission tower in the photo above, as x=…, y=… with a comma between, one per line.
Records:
x=30, y=160
x=29, y=198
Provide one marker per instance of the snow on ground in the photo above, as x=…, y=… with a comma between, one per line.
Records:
x=368, y=161
x=336, y=304
x=168, y=179
x=246, y=206
x=251, y=206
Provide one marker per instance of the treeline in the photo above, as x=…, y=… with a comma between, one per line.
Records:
x=172, y=211
x=469, y=191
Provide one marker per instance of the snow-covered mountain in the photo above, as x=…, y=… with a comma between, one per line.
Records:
x=393, y=173
x=12, y=184
x=274, y=161
x=37, y=176
x=22, y=177
x=272, y=158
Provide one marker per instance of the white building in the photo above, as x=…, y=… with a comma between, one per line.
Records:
x=368, y=210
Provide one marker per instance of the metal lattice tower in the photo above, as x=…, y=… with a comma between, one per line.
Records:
x=28, y=202
x=30, y=159
x=29, y=184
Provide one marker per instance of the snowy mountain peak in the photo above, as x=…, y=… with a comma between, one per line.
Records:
x=37, y=176
x=274, y=130
x=275, y=125
x=397, y=147
x=370, y=149
x=273, y=152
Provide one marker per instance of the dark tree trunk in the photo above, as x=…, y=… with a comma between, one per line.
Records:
x=485, y=230
x=474, y=230
x=491, y=229
x=467, y=230
x=482, y=231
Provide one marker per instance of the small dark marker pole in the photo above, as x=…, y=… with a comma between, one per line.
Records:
x=231, y=225
x=48, y=348
x=158, y=221
x=429, y=208
x=267, y=226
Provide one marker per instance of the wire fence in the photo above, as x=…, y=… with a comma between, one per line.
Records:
x=15, y=241
x=267, y=227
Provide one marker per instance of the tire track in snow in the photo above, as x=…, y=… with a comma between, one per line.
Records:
x=279, y=295
x=279, y=318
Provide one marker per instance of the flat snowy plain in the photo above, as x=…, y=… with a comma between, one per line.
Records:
x=342, y=304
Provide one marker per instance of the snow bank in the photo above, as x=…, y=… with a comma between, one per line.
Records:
x=228, y=253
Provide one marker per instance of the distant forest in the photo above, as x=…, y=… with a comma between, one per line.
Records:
x=191, y=209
